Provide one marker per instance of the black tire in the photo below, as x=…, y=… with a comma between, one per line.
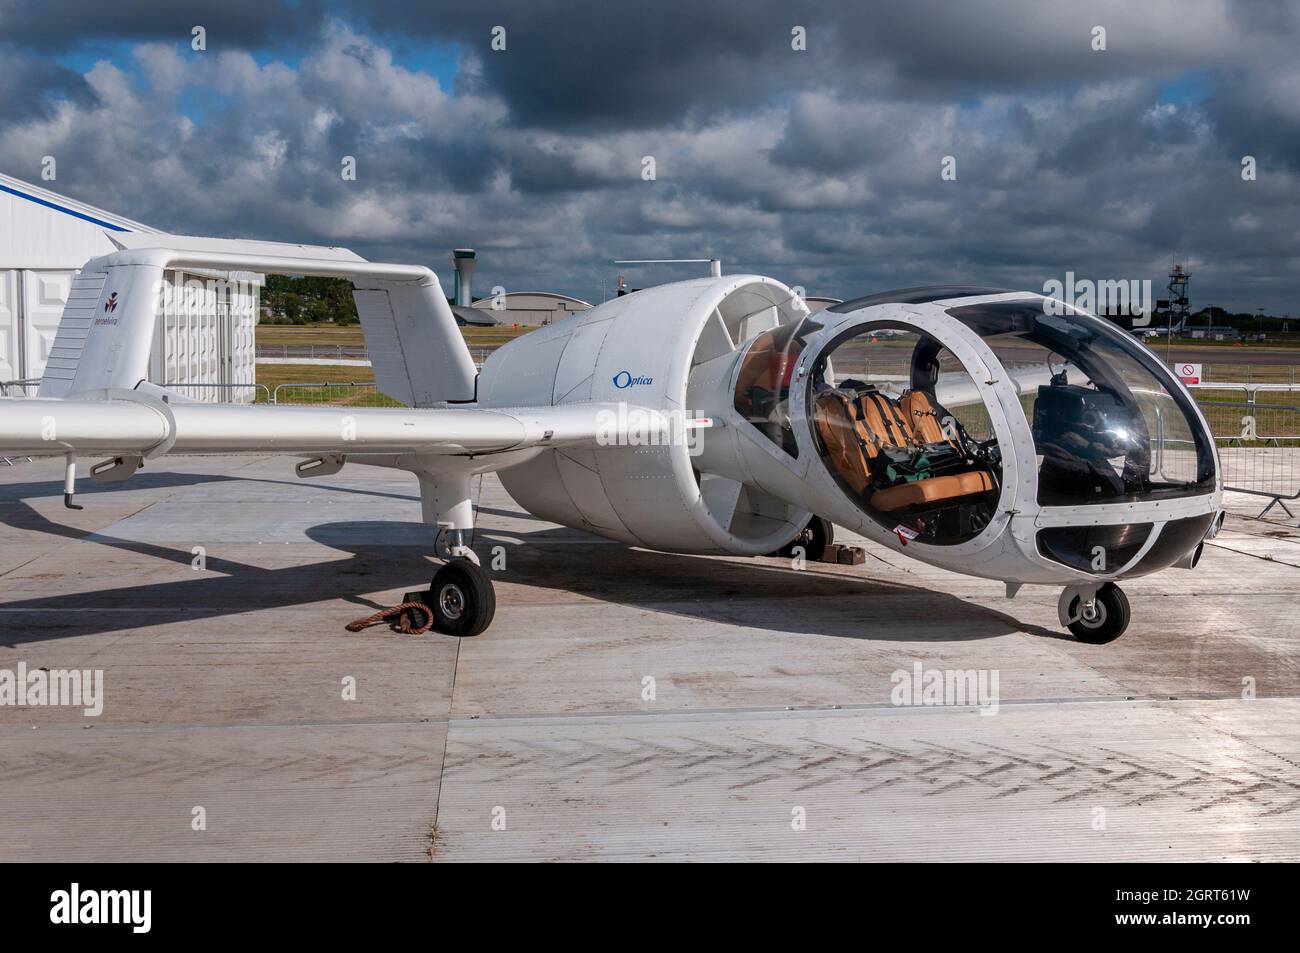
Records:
x=814, y=538
x=462, y=599
x=1112, y=617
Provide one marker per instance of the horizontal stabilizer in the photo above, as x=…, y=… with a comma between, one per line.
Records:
x=107, y=331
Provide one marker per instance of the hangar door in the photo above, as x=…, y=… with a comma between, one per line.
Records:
x=10, y=361
x=205, y=334
x=31, y=303
x=205, y=346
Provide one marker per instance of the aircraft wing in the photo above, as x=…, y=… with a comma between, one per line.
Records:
x=958, y=390
x=146, y=426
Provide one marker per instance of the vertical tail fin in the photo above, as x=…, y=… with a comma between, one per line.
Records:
x=106, y=331
x=415, y=346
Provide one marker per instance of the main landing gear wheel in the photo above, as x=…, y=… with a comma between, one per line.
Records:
x=462, y=599
x=1104, y=621
x=814, y=538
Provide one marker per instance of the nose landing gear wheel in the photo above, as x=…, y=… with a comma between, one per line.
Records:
x=462, y=599
x=1105, y=621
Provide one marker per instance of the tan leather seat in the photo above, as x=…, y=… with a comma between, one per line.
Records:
x=849, y=446
x=885, y=420
x=923, y=418
x=932, y=491
x=854, y=430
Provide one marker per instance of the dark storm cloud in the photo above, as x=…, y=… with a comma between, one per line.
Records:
x=608, y=65
x=68, y=24
x=1259, y=115
x=598, y=64
x=819, y=167
x=31, y=86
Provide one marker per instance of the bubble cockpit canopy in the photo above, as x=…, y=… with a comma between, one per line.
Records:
x=904, y=429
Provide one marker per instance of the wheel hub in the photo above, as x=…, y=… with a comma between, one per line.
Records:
x=451, y=600
x=1093, y=614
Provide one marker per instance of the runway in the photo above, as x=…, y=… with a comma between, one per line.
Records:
x=625, y=705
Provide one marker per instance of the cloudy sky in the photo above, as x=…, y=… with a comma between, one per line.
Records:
x=821, y=167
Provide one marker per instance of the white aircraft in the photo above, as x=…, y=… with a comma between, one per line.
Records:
x=995, y=433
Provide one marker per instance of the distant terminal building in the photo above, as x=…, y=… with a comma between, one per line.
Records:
x=205, y=335
x=527, y=308
x=531, y=307
x=1215, y=332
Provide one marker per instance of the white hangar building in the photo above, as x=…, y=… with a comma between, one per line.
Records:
x=531, y=307
x=206, y=336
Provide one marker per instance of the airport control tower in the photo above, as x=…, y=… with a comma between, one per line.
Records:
x=463, y=260
x=1179, y=309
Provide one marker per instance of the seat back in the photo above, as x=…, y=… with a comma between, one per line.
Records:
x=884, y=420
x=849, y=446
x=923, y=418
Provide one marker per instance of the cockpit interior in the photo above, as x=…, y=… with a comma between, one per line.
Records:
x=927, y=471
x=903, y=428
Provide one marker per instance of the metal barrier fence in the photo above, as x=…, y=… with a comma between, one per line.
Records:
x=1246, y=373
x=1250, y=413
x=1257, y=429
x=223, y=393
x=339, y=352
x=347, y=393
x=315, y=352
x=19, y=388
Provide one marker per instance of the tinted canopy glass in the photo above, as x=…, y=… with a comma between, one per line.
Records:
x=1106, y=428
